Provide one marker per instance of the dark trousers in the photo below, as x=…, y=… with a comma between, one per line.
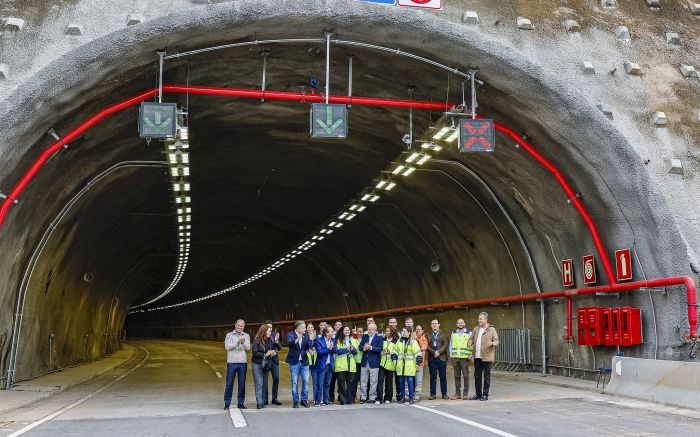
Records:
x=233, y=369
x=436, y=367
x=355, y=384
x=482, y=368
x=406, y=381
x=332, y=387
x=275, y=372
x=385, y=385
x=346, y=395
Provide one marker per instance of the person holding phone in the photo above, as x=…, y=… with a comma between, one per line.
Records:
x=275, y=369
x=263, y=350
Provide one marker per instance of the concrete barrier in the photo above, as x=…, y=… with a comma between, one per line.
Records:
x=666, y=382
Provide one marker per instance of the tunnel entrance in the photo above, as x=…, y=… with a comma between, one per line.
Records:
x=259, y=184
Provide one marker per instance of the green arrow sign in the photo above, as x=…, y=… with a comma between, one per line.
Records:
x=329, y=121
x=157, y=120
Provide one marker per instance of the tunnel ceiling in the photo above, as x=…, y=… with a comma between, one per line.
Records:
x=260, y=184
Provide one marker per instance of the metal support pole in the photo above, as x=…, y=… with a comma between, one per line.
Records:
x=350, y=57
x=161, y=55
x=264, y=54
x=544, y=354
x=328, y=63
x=472, y=78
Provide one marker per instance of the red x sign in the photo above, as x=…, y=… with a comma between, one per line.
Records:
x=476, y=135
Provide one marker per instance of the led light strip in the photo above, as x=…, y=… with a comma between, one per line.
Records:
x=386, y=182
x=177, y=150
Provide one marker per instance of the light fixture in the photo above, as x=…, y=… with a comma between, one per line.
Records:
x=398, y=169
x=361, y=208
x=409, y=170
x=350, y=217
x=453, y=136
x=381, y=184
x=423, y=159
x=413, y=157
x=374, y=198
x=390, y=186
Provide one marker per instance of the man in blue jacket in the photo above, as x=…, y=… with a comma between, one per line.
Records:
x=323, y=369
x=371, y=347
x=299, y=342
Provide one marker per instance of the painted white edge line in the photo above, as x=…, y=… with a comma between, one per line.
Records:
x=468, y=422
x=218, y=375
x=237, y=418
x=206, y=361
x=78, y=402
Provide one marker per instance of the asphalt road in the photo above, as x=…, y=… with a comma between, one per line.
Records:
x=175, y=388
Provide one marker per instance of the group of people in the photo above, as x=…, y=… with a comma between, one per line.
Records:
x=341, y=360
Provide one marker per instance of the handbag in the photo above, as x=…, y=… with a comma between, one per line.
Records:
x=266, y=364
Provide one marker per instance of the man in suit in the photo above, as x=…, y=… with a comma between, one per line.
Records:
x=275, y=369
x=371, y=347
x=299, y=342
x=323, y=368
x=437, y=359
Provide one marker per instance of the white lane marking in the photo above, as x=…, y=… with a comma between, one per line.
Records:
x=468, y=422
x=206, y=361
x=78, y=402
x=237, y=418
x=196, y=355
x=218, y=375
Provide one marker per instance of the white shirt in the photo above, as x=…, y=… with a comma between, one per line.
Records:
x=328, y=345
x=300, y=337
x=478, y=342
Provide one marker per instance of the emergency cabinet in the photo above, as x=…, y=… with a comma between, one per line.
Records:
x=609, y=326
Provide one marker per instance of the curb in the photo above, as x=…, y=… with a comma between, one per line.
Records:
x=72, y=384
x=543, y=380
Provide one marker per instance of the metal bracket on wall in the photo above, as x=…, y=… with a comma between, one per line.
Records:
x=4, y=196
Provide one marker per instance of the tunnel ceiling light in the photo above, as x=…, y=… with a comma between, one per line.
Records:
x=399, y=168
x=445, y=133
x=453, y=136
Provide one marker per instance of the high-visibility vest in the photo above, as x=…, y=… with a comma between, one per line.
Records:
x=407, y=354
x=345, y=362
x=387, y=362
x=358, y=357
x=311, y=357
x=459, y=345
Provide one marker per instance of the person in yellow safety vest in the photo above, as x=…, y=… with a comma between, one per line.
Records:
x=460, y=354
x=387, y=367
x=407, y=355
x=345, y=349
x=359, y=332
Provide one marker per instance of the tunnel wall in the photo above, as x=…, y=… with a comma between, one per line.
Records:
x=625, y=182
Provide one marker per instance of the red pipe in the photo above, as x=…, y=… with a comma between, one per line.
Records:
x=569, y=316
x=569, y=192
x=691, y=298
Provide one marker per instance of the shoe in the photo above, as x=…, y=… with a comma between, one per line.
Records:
x=402, y=401
x=445, y=397
x=387, y=402
x=456, y=397
x=276, y=402
x=411, y=402
x=416, y=400
x=259, y=406
x=484, y=398
x=362, y=401
x=266, y=403
x=296, y=405
x=465, y=396
x=226, y=407
x=305, y=404
x=475, y=398
x=377, y=402
x=342, y=403
x=325, y=404
x=317, y=404
x=241, y=407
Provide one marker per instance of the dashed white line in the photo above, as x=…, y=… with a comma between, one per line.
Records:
x=206, y=361
x=468, y=422
x=218, y=375
x=78, y=402
x=237, y=418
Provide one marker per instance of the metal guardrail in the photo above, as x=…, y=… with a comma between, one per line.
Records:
x=514, y=347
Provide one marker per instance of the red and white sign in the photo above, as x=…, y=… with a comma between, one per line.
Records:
x=589, y=270
x=567, y=272
x=428, y=4
x=623, y=262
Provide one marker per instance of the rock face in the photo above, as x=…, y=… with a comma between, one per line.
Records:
x=628, y=143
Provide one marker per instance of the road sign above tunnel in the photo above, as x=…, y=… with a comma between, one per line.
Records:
x=428, y=4
x=476, y=135
x=157, y=120
x=329, y=120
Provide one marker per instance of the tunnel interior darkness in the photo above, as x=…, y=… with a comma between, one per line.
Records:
x=260, y=185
